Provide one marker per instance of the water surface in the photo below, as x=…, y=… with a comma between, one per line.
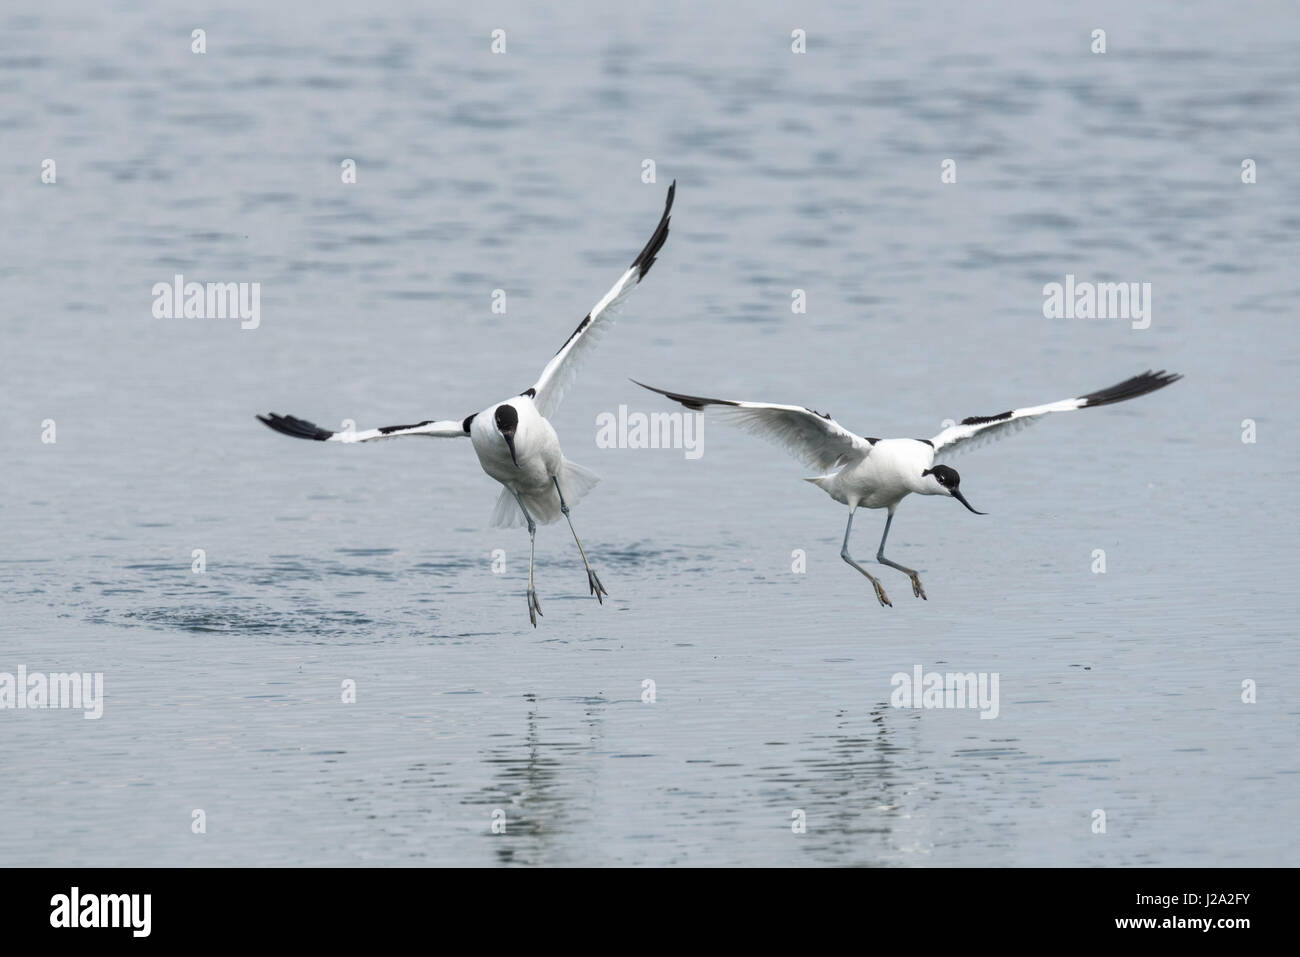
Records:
x=1119, y=691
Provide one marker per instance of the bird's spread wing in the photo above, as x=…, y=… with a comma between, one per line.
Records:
x=559, y=372
x=979, y=429
x=812, y=437
x=302, y=429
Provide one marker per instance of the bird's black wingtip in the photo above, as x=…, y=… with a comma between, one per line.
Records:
x=646, y=258
x=696, y=402
x=662, y=392
x=298, y=428
x=1139, y=385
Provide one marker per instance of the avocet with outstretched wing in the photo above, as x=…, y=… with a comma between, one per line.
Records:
x=513, y=440
x=879, y=473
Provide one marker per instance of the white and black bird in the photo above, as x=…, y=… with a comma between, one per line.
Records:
x=879, y=473
x=513, y=440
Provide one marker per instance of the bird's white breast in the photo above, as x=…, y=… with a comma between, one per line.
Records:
x=884, y=477
x=537, y=447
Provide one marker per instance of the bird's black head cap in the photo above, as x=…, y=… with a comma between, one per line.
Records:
x=944, y=475
x=507, y=419
x=950, y=480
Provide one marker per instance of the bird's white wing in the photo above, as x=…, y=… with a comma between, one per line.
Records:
x=302, y=429
x=812, y=437
x=978, y=429
x=560, y=371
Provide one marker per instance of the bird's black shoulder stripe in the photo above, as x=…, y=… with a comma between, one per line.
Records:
x=530, y=393
x=1130, y=388
x=298, y=428
x=390, y=429
x=582, y=325
x=870, y=440
x=926, y=441
x=690, y=401
x=646, y=258
x=823, y=415
x=469, y=419
x=984, y=419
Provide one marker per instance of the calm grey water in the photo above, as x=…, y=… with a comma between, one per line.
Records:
x=1119, y=692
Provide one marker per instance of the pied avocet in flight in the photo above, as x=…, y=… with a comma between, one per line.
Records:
x=513, y=440
x=880, y=473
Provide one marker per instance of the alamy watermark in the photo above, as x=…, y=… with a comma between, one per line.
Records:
x=179, y=299
x=934, y=689
x=128, y=911
x=37, y=690
x=651, y=430
x=1099, y=300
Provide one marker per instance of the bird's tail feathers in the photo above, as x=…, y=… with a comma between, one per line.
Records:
x=506, y=514
x=575, y=481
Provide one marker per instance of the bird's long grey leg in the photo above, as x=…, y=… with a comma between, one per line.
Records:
x=844, y=554
x=917, y=590
x=534, y=606
x=593, y=582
